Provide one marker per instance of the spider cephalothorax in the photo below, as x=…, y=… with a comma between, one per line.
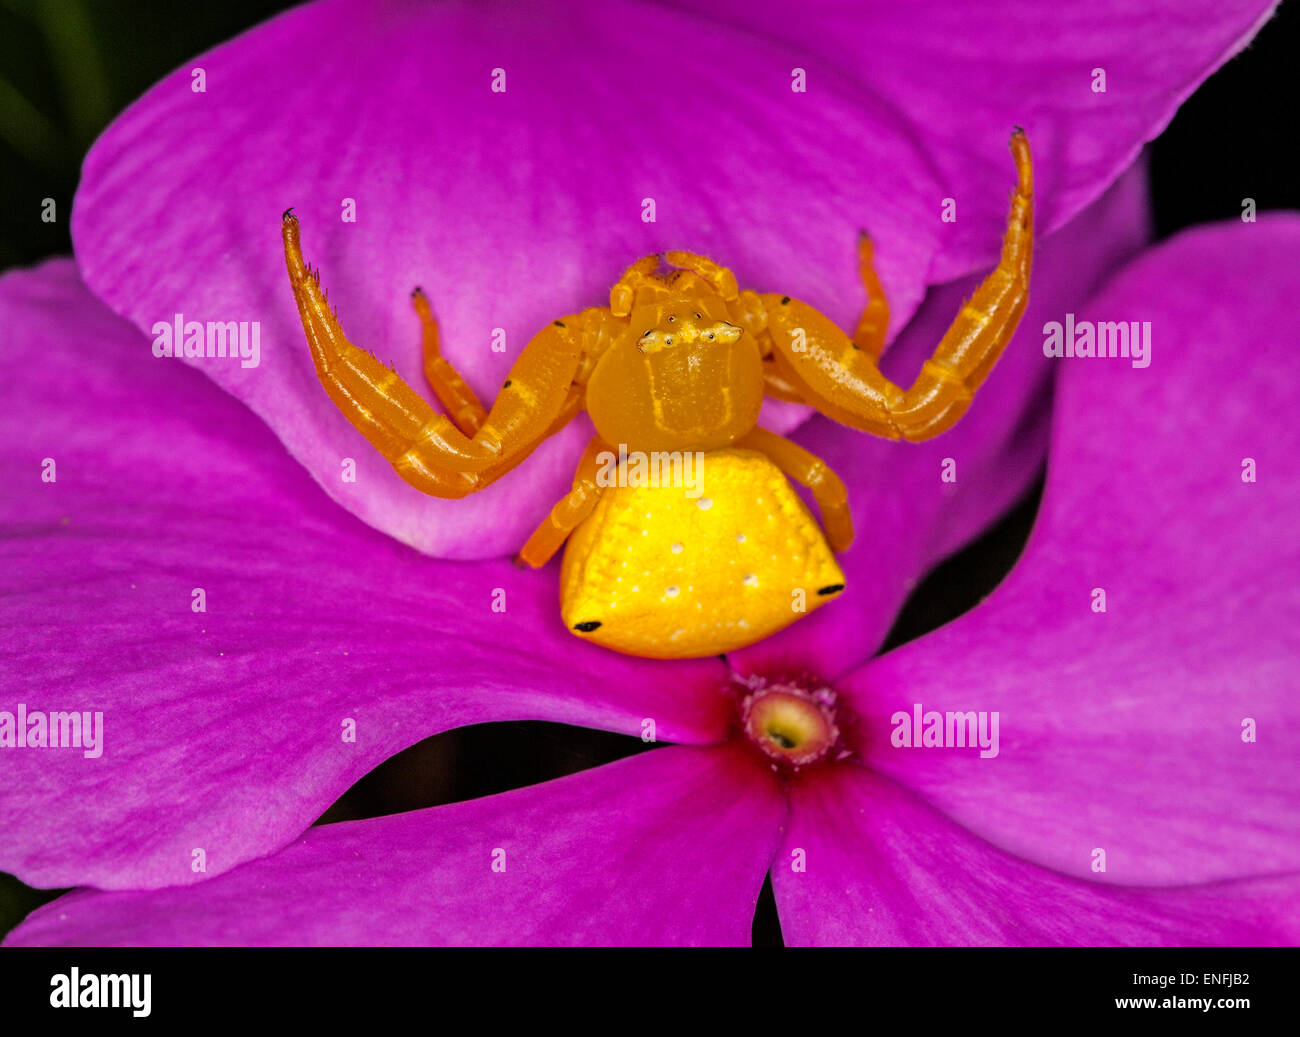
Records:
x=690, y=380
x=673, y=374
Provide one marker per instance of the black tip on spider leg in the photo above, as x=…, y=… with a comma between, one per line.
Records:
x=287, y=215
x=517, y=560
x=1017, y=131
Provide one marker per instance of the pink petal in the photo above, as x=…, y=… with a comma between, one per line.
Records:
x=1126, y=730
x=514, y=208
x=668, y=847
x=884, y=868
x=223, y=730
x=961, y=72
x=511, y=209
x=907, y=518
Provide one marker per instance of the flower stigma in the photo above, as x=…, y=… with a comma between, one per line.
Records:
x=791, y=720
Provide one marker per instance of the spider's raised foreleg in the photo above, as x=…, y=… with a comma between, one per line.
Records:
x=807, y=469
x=841, y=379
x=568, y=410
x=462, y=402
x=874, y=323
x=426, y=448
x=453, y=392
x=569, y=512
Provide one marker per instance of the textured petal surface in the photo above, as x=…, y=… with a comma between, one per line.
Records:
x=669, y=847
x=884, y=868
x=1164, y=729
x=510, y=208
x=963, y=72
x=222, y=730
x=906, y=516
x=515, y=207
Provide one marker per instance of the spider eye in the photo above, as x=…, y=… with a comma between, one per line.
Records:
x=671, y=319
x=668, y=342
x=697, y=316
x=710, y=335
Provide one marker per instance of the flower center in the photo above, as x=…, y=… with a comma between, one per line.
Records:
x=791, y=721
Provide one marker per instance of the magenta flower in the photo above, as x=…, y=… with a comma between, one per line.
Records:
x=1121, y=731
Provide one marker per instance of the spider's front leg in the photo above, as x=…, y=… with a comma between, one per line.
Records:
x=427, y=449
x=453, y=392
x=569, y=512
x=807, y=469
x=840, y=377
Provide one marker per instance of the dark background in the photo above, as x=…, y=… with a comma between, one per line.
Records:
x=67, y=67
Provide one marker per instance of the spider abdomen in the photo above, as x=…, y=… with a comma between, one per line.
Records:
x=683, y=571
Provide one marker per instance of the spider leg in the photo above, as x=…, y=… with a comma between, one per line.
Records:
x=775, y=382
x=722, y=279
x=571, y=510
x=842, y=380
x=622, y=295
x=874, y=324
x=452, y=391
x=572, y=404
x=748, y=311
x=426, y=448
x=808, y=470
